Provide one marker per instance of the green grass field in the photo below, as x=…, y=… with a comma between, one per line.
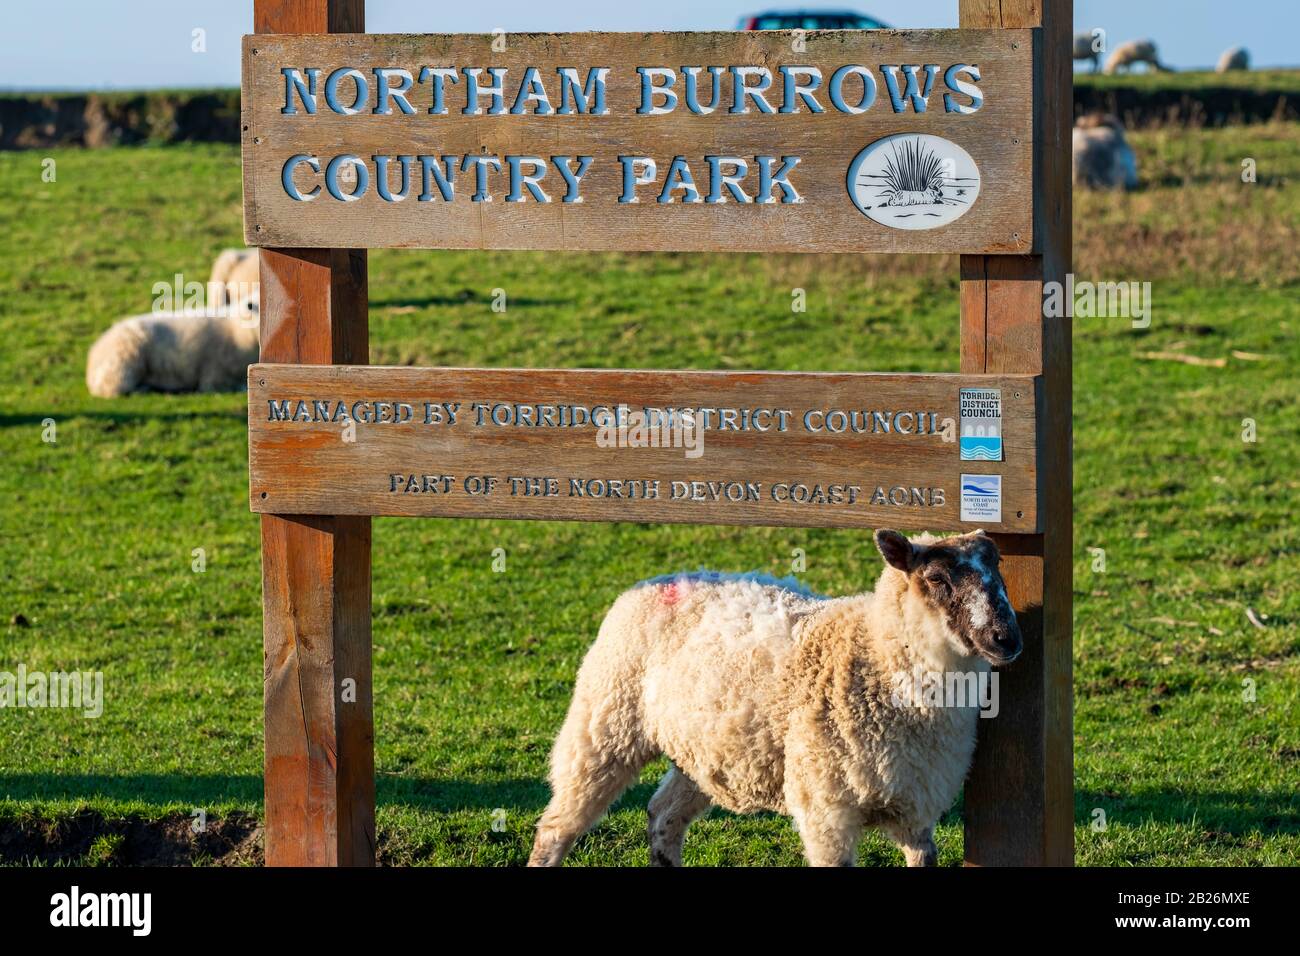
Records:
x=473, y=668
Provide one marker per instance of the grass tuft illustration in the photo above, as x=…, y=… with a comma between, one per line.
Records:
x=913, y=176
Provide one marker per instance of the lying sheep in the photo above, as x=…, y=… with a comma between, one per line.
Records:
x=191, y=351
x=1235, y=58
x=1085, y=48
x=1102, y=156
x=199, y=350
x=1128, y=54
x=766, y=697
x=234, y=277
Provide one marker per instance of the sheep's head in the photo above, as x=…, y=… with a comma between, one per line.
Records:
x=1099, y=121
x=958, y=577
x=248, y=310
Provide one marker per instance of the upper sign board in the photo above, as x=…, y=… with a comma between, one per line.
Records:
x=834, y=141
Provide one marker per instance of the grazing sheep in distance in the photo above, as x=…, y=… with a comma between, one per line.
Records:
x=190, y=351
x=1236, y=58
x=1084, y=49
x=234, y=277
x=1102, y=156
x=767, y=697
x=1134, y=51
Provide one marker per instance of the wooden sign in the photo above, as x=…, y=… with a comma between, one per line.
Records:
x=833, y=141
x=848, y=450
x=808, y=141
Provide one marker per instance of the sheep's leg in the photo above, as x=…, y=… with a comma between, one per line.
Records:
x=210, y=379
x=675, y=804
x=830, y=834
x=587, y=775
x=578, y=803
x=917, y=844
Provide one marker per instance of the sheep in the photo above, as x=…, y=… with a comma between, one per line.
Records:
x=1085, y=49
x=1102, y=156
x=234, y=277
x=198, y=350
x=765, y=696
x=1235, y=58
x=1134, y=51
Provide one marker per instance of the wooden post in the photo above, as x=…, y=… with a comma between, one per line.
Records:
x=1020, y=796
x=320, y=781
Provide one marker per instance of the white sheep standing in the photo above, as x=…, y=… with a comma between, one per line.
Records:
x=1234, y=58
x=193, y=350
x=1085, y=48
x=1102, y=156
x=1132, y=52
x=767, y=697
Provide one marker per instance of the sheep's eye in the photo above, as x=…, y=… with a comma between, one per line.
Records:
x=936, y=579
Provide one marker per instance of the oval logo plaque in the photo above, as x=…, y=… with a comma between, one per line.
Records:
x=913, y=181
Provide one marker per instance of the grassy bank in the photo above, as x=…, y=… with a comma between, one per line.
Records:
x=1281, y=82
x=35, y=120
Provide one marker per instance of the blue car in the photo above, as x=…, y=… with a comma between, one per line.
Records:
x=811, y=20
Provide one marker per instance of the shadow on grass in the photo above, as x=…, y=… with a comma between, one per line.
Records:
x=460, y=298
x=121, y=418
x=139, y=835
x=422, y=793
x=161, y=789
x=1237, y=814
x=1218, y=813
x=1175, y=181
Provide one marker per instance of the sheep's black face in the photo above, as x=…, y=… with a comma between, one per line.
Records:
x=959, y=577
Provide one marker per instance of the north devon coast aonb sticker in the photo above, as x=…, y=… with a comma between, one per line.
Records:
x=913, y=181
x=981, y=498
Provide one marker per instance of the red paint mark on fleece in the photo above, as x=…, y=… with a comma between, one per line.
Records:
x=670, y=593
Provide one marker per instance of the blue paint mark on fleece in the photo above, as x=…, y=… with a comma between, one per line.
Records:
x=761, y=578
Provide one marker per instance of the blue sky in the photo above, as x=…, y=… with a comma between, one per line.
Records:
x=91, y=44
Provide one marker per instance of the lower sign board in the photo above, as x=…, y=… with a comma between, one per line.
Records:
x=815, y=449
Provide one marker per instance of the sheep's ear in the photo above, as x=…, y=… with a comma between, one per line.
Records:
x=896, y=549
